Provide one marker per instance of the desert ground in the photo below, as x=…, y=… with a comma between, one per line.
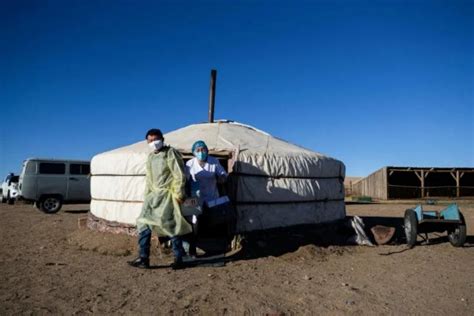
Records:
x=50, y=265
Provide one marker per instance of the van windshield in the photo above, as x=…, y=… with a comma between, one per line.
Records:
x=29, y=167
x=23, y=169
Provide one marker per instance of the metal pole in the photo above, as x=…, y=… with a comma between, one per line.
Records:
x=212, y=95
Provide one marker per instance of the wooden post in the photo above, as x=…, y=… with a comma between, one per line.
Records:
x=212, y=95
x=458, y=184
x=421, y=177
x=422, y=183
x=457, y=177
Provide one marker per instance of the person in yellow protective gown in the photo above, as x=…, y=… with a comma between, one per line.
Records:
x=164, y=194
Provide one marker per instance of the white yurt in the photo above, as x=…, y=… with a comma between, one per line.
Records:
x=273, y=183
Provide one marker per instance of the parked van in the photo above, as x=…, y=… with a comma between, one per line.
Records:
x=50, y=183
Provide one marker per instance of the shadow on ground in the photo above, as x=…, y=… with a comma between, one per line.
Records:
x=279, y=242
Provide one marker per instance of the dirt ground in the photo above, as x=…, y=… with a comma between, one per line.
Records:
x=49, y=265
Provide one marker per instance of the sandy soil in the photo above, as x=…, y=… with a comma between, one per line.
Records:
x=48, y=265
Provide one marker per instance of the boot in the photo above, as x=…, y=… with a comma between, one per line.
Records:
x=142, y=263
x=178, y=264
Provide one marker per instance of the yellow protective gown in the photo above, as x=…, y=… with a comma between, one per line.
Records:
x=165, y=181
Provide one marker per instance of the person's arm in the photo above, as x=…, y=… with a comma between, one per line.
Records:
x=176, y=165
x=148, y=180
x=187, y=172
x=221, y=174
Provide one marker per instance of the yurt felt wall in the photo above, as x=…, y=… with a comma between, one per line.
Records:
x=276, y=184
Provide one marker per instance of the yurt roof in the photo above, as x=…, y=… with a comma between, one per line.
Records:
x=221, y=137
x=228, y=136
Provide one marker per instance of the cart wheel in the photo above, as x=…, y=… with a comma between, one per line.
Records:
x=457, y=237
x=411, y=226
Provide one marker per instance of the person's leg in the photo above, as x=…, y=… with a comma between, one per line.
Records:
x=178, y=251
x=177, y=246
x=144, y=241
x=189, y=244
x=191, y=238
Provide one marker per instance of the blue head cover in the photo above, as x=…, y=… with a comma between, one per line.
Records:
x=197, y=144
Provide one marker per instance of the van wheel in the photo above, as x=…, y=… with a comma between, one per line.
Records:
x=4, y=200
x=50, y=204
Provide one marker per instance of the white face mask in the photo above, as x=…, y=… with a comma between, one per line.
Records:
x=156, y=145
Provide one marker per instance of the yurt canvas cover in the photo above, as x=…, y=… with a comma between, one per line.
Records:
x=274, y=183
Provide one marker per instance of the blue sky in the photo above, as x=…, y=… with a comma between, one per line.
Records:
x=372, y=83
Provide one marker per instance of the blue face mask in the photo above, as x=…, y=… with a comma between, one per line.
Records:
x=201, y=155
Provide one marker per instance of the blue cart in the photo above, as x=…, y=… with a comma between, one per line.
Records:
x=418, y=221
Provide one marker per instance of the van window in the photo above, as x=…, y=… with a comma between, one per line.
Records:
x=86, y=169
x=30, y=167
x=52, y=168
x=75, y=168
